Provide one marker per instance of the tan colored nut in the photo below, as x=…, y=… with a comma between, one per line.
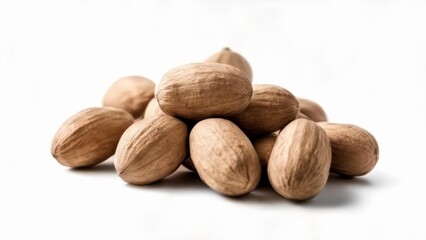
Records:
x=224, y=157
x=153, y=108
x=131, y=94
x=299, y=164
x=355, y=150
x=151, y=149
x=301, y=115
x=263, y=146
x=202, y=90
x=227, y=56
x=312, y=110
x=90, y=136
x=271, y=108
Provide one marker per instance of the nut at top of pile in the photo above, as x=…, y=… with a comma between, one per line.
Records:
x=131, y=94
x=227, y=56
x=203, y=90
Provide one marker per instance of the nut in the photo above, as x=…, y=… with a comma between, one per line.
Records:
x=271, y=108
x=151, y=149
x=202, y=90
x=90, y=136
x=312, y=110
x=224, y=157
x=131, y=94
x=263, y=146
x=299, y=164
x=152, y=108
x=227, y=56
x=355, y=150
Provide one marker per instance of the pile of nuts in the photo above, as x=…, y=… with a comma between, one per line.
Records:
x=209, y=117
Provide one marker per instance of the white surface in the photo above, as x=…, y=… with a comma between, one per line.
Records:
x=364, y=61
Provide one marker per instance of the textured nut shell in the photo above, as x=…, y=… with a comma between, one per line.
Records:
x=90, y=136
x=203, y=90
x=355, y=150
x=131, y=94
x=151, y=149
x=312, y=110
x=300, y=160
x=224, y=157
x=227, y=56
x=152, y=108
x=263, y=146
x=271, y=108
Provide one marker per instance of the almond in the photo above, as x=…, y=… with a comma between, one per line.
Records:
x=312, y=110
x=90, y=136
x=151, y=149
x=224, y=157
x=227, y=56
x=355, y=150
x=202, y=90
x=299, y=164
x=131, y=94
x=271, y=108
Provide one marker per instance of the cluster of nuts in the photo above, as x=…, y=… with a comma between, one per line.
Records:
x=209, y=117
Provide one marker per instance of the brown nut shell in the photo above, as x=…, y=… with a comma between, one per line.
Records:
x=90, y=136
x=202, y=90
x=151, y=149
x=152, y=108
x=271, y=108
x=224, y=157
x=300, y=160
x=312, y=110
x=263, y=146
x=355, y=150
x=227, y=56
x=131, y=93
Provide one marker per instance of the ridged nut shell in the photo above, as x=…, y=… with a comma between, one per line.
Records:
x=355, y=150
x=224, y=157
x=227, y=56
x=151, y=149
x=263, y=146
x=271, y=108
x=299, y=164
x=312, y=110
x=131, y=94
x=202, y=90
x=90, y=136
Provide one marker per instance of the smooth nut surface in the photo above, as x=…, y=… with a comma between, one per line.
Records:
x=152, y=108
x=355, y=150
x=227, y=56
x=202, y=90
x=224, y=157
x=312, y=110
x=90, y=136
x=299, y=164
x=263, y=146
x=131, y=94
x=271, y=108
x=151, y=149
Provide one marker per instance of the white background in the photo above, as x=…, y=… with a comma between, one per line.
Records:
x=364, y=61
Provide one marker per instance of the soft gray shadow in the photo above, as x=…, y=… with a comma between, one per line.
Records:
x=106, y=167
x=181, y=179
